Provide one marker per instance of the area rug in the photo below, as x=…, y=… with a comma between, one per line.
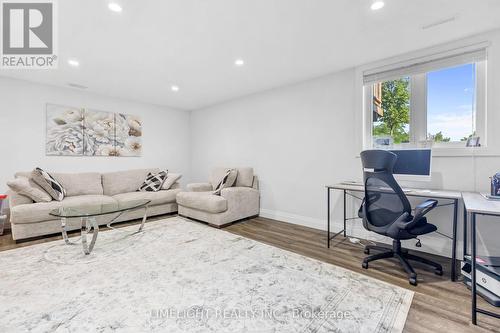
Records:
x=183, y=276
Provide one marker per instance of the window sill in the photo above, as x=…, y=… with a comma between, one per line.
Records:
x=460, y=151
x=464, y=151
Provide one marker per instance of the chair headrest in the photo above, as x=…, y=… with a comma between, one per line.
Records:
x=378, y=160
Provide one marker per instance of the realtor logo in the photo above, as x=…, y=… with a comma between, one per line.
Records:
x=28, y=34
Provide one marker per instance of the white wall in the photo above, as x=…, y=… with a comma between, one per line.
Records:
x=297, y=138
x=301, y=137
x=22, y=132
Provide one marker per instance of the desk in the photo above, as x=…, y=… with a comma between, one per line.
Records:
x=475, y=204
x=454, y=196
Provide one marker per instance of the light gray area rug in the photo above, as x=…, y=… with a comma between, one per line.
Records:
x=182, y=276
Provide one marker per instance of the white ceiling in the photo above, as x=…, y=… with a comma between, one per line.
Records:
x=139, y=53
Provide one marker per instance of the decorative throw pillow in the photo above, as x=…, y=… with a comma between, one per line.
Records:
x=153, y=182
x=30, y=189
x=171, y=179
x=217, y=173
x=226, y=181
x=48, y=183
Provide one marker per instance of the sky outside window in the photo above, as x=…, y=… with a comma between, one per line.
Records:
x=451, y=102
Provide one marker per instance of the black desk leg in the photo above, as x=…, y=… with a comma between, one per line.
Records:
x=344, y=212
x=473, y=268
x=454, y=242
x=465, y=233
x=328, y=217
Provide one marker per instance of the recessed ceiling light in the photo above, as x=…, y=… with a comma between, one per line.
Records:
x=113, y=6
x=174, y=88
x=239, y=62
x=377, y=4
x=73, y=62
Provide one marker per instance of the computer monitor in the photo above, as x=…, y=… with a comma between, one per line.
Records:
x=413, y=164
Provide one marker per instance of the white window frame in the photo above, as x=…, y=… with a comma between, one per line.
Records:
x=418, y=111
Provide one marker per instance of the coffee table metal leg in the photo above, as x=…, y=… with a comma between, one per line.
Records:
x=89, y=223
x=65, y=232
x=143, y=219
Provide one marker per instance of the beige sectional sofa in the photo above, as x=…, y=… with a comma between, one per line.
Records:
x=240, y=201
x=29, y=219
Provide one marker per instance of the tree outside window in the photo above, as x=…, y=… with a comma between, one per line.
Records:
x=394, y=118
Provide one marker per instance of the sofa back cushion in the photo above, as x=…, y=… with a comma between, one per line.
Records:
x=29, y=188
x=245, y=177
x=172, y=178
x=25, y=174
x=51, y=185
x=226, y=181
x=84, y=183
x=218, y=173
x=124, y=181
x=75, y=183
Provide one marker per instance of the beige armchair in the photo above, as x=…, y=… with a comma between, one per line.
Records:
x=238, y=202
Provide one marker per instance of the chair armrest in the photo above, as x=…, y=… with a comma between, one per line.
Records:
x=420, y=210
x=402, y=221
x=424, y=207
x=199, y=187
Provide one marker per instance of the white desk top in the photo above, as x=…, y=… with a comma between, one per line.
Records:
x=476, y=203
x=358, y=187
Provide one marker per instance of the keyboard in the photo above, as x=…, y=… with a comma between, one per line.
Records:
x=352, y=182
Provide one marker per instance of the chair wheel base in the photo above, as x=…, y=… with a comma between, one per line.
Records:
x=404, y=259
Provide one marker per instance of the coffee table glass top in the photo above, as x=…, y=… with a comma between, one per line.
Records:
x=98, y=209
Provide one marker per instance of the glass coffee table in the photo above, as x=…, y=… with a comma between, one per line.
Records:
x=88, y=213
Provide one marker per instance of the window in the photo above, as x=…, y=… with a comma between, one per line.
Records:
x=438, y=101
x=451, y=104
x=391, y=110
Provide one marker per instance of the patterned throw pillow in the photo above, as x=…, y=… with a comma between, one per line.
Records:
x=48, y=183
x=226, y=181
x=153, y=182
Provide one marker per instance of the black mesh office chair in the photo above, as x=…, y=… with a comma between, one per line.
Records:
x=387, y=211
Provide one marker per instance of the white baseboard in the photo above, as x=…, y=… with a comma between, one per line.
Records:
x=305, y=221
x=354, y=228
x=293, y=218
x=433, y=243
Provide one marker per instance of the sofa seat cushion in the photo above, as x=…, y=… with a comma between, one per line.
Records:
x=39, y=212
x=157, y=198
x=205, y=201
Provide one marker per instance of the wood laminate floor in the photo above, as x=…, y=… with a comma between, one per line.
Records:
x=439, y=305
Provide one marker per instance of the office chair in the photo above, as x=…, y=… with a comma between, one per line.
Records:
x=387, y=211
